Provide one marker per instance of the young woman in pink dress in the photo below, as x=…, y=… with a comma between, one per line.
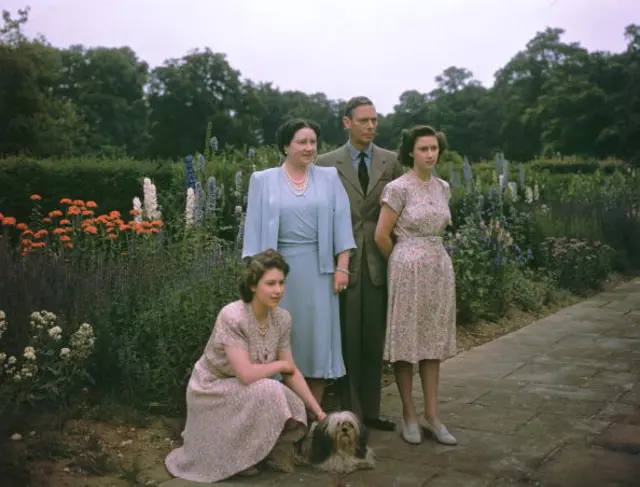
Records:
x=421, y=316
x=237, y=414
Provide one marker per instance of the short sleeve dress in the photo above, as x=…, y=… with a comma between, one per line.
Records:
x=231, y=426
x=421, y=315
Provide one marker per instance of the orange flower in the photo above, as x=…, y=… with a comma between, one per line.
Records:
x=41, y=233
x=91, y=204
x=112, y=236
x=87, y=213
x=68, y=245
x=9, y=221
x=114, y=214
x=123, y=227
x=66, y=201
x=27, y=232
x=46, y=219
x=38, y=245
x=157, y=223
x=154, y=230
x=134, y=212
x=78, y=202
x=55, y=213
x=110, y=229
x=22, y=226
x=65, y=238
x=91, y=229
x=64, y=221
x=74, y=210
x=68, y=229
x=59, y=231
x=35, y=197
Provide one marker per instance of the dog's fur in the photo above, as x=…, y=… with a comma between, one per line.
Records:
x=337, y=444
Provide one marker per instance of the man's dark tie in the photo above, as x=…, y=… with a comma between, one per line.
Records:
x=363, y=173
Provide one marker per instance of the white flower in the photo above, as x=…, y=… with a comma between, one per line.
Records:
x=42, y=319
x=55, y=333
x=17, y=377
x=137, y=205
x=3, y=356
x=12, y=360
x=528, y=195
x=191, y=207
x=150, y=200
x=238, y=210
x=49, y=316
x=64, y=353
x=29, y=353
x=28, y=371
x=2, y=315
x=83, y=340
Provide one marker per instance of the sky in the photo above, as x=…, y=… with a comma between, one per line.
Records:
x=343, y=48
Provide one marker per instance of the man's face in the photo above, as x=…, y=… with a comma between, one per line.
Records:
x=362, y=124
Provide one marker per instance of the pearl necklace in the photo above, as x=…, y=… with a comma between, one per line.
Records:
x=292, y=183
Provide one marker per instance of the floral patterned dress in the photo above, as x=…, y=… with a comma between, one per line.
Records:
x=232, y=426
x=421, y=316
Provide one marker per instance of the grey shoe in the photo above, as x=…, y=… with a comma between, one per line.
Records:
x=411, y=432
x=441, y=433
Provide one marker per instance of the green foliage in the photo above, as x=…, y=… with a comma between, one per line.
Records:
x=113, y=183
x=577, y=265
x=152, y=298
x=43, y=369
x=551, y=98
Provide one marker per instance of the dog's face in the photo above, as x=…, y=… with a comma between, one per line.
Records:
x=344, y=429
x=339, y=433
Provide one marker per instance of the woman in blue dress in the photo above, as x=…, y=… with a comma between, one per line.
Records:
x=302, y=211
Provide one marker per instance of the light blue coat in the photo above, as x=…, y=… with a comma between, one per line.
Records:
x=335, y=233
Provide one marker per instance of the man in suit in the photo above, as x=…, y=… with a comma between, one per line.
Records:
x=364, y=169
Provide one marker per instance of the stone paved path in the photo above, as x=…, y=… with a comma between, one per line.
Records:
x=556, y=403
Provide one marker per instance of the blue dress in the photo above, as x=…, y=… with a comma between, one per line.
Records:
x=316, y=342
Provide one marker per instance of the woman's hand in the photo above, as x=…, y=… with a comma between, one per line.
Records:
x=340, y=281
x=287, y=367
x=321, y=415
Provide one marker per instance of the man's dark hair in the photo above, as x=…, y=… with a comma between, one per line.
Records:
x=355, y=102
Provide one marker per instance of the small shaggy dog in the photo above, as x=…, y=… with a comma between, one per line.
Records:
x=338, y=444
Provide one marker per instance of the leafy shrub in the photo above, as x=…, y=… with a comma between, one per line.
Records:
x=577, y=265
x=50, y=368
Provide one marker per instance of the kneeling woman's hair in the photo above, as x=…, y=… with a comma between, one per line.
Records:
x=255, y=268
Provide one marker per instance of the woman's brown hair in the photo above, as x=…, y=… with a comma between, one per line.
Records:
x=409, y=138
x=256, y=267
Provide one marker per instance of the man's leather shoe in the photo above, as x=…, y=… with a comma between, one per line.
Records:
x=381, y=424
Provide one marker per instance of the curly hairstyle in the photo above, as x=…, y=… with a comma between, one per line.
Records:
x=409, y=138
x=255, y=268
x=286, y=131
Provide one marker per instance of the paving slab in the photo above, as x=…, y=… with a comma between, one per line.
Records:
x=556, y=403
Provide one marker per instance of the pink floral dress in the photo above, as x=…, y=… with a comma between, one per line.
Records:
x=233, y=426
x=421, y=316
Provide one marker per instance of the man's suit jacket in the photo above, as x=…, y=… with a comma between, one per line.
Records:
x=365, y=208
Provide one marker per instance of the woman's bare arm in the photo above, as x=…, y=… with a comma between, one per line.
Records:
x=247, y=372
x=298, y=385
x=386, y=221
